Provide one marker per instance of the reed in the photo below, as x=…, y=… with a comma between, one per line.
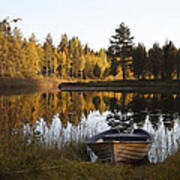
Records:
x=28, y=152
x=27, y=156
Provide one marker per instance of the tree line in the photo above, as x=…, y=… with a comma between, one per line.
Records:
x=24, y=58
x=21, y=57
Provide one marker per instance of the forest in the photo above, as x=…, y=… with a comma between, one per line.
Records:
x=26, y=58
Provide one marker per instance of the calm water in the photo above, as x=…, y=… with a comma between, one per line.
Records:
x=62, y=116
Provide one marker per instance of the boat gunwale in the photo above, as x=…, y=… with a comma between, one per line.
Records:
x=121, y=142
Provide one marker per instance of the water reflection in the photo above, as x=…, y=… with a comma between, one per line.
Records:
x=62, y=116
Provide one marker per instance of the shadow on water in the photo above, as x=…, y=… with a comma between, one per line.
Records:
x=61, y=116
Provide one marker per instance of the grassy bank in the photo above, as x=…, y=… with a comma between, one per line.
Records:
x=24, y=157
x=18, y=86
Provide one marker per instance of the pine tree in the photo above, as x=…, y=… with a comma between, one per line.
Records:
x=139, y=64
x=169, y=51
x=97, y=71
x=178, y=64
x=86, y=49
x=121, y=45
x=156, y=61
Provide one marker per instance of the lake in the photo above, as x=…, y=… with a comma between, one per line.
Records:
x=63, y=116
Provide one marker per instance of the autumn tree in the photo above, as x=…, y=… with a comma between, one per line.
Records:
x=75, y=53
x=10, y=48
x=48, y=55
x=63, y=51
x=35, y=57
x=89, y=66
x=3, y=54
x=103, y=62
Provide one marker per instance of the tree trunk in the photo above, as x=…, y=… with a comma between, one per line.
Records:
x=124, y=70
x=47, y=68
x=177, y=75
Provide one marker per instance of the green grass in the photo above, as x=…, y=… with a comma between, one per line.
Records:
x=24, y=159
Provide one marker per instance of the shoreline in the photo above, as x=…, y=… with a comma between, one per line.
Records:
x=20, y=86
x=124, y=89
x=123, y=86
x=10, y=86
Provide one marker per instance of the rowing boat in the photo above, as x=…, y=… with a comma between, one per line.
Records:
x=111, y=146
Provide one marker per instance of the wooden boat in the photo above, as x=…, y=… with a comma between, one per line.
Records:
x=111, y=146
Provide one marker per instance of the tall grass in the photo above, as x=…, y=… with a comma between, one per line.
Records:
x=27, y=156
x=21, y=153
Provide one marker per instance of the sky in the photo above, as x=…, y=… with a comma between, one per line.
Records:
x=95, y=21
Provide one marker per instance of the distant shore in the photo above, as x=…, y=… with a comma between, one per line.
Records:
x=128, y=85
x=19, y=86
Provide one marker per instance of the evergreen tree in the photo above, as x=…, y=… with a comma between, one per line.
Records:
x=97, y=71
x=156, y=61
x=87, y=50
x=177, y=64
x=139, y=63
x=121, y=45
x=169, y=53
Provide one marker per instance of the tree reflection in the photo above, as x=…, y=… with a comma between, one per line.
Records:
x=126, y=110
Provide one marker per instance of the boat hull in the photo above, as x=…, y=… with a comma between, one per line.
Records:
x=118, y=152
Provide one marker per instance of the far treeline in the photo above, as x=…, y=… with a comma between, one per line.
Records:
x=22, y=58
